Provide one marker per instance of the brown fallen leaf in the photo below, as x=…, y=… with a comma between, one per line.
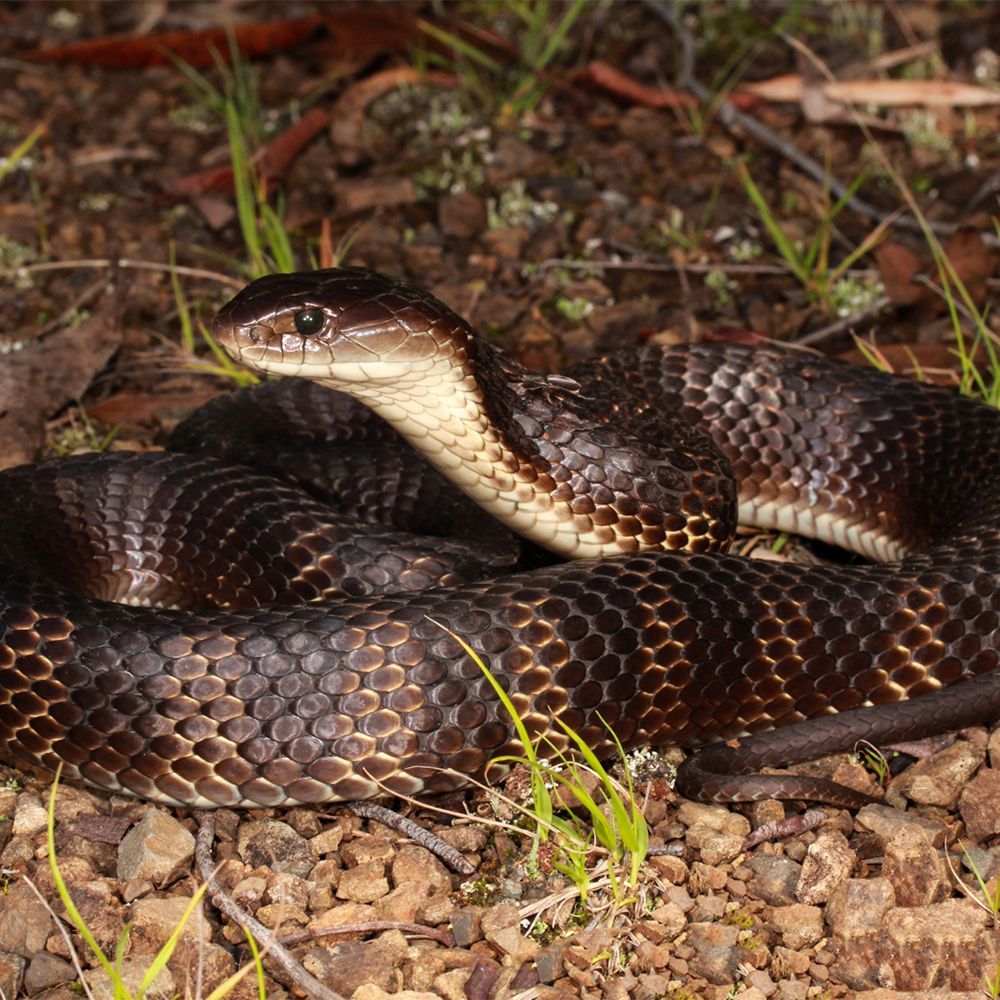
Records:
x=196, y=48
x=898, y=266
x=614, y=81
x=272, y=161
x=131, y=410
x=971, y=259
x=42, y=377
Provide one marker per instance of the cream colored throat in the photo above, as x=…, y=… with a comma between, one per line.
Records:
x=442, y=414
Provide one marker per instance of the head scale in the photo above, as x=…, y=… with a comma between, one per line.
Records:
x=339, y=324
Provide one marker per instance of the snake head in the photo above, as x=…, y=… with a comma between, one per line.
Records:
x=339, y=325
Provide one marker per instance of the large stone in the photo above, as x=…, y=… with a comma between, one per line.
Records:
x=828, y=862
x=11, y=973
x=885, y=822
x=979, y=805
x=25, y=923
x=774, y=878
x=154, y=920
x=272, y=844
x=132, y=971
x=946, y=946
x=47, y=970
x=855, y=913
x=717, y=956
x=154, y=848
x=916, y=870
x=938, y=780
x=799, y=925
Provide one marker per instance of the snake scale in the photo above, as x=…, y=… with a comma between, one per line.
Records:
x=182, y=628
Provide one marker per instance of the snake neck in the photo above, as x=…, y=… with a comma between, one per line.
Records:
x=527, y=449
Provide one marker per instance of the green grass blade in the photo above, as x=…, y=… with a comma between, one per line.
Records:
x=67, y=900
x=164, y=955
x=9, y=163
x=785, y=246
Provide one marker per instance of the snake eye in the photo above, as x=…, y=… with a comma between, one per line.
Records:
x=308, y=321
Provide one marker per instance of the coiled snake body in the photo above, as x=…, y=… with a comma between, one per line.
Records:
x=289, y=660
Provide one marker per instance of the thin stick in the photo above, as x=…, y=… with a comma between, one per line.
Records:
x=123, y=262
x=311, y=986
x=416, y=833
x=372, y=927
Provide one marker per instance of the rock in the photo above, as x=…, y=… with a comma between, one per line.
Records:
x=327, y=842
x=717, y=818
x=799, y=925
x=363, y=884
x=716, y=955
x=345, y=913
x=993, y=748
x=943, y=946
x=979, y=804
x=462, y=215
x=855, y=914
x=272, y=844
x=828, y=862
x=938, y=780
x=886, y=821
x=707, y=878
x=774, y=878
x=30, y=815
x=359, y=194
x=285, y=916
x=516, y=947
x=416, y=864
x=24, y=922
x=370, y=992
x=451, y=985
x=11, y=974
x=434, y=910
x=493, y=918
x=669, y=868
x=363, y=850
x=468, y=839
x=501, y=926
x=402, y=903
x=132, y=970
x=47, y=970
x=786, y=963
x=916, y=870
x=671, y=918
x=156, y=846
x=719, y=847
x=154, y=920
x=346, y=966
x=466, y=925
x=283, y=887
x=549, y=962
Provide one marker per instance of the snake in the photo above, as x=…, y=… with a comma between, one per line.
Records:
x=184, y=626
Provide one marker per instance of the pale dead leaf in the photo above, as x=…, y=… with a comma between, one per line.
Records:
x=790, y=88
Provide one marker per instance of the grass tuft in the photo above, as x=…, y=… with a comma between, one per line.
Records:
x=113, y=967
x=611, y=824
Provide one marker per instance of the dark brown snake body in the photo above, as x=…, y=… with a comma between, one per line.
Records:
x=294, y=661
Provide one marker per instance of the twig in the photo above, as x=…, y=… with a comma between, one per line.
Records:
x=371, y=927
x=124, y=263
x=416, y=833
x=730, y=116
x=788, y=827
x=655, y=266
x=311, y=986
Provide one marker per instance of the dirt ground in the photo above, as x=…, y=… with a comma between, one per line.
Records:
x=663, y=172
